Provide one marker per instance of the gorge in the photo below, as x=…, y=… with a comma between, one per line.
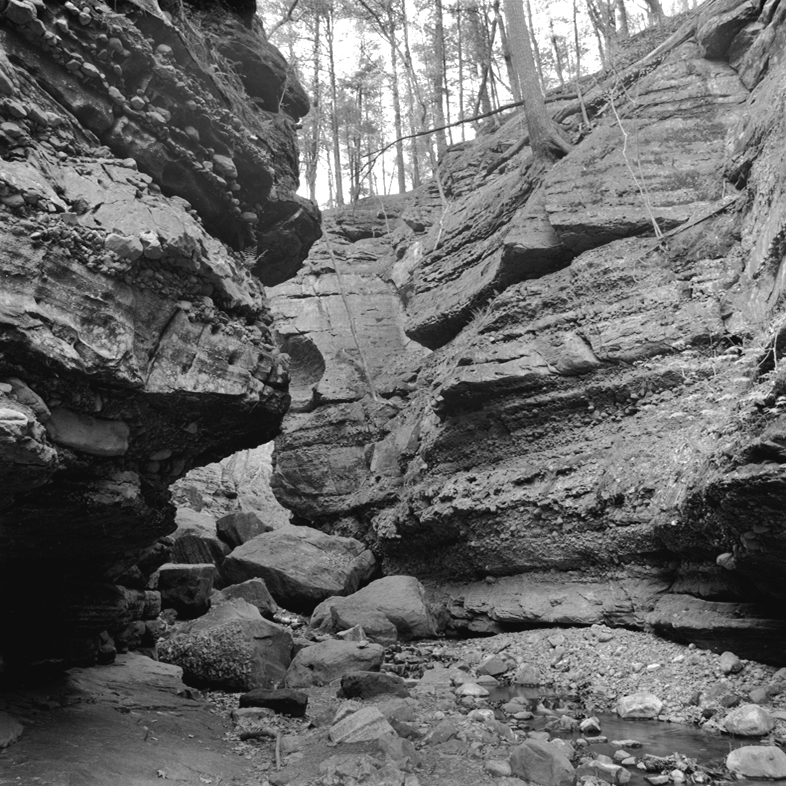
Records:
x=554, y=395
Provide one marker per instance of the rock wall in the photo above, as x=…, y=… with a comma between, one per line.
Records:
x=148, y=169
x=598, y=433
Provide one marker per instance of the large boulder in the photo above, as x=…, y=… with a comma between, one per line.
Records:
x=757, y=761
x=253, y=591
x=196, y=540
x=368, y=684
x=301, y=566
x=400, y=599
x=749, y=720
x=239, y=526
x=639, y=705
x=329, y=660
x=231, y=647
x=542, y=763
x=186, y=588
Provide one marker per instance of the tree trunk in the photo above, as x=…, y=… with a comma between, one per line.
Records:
x=535, y=47
x=438, y=77
x=334, y=125
x=544, y=137
x=623, y=29
x=654, y=12
x=480, y=54
x=412, y=98
x=515, y=87
x=313, y=143
x=557, y=54
x=402, y=181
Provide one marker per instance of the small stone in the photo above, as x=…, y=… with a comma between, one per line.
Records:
x=590, y=726
x=138, y=103
x=224, y=166
x=16, y=109
x=498, y=768
x=730, y=663
x=527, y=674
x=89, y=70
x=20, y=12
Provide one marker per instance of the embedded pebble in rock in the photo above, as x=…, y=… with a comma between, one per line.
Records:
x=758, y=761
x=749, y=720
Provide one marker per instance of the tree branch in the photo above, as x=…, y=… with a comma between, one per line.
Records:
x=287, y=18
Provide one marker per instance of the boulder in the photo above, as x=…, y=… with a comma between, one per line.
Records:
x=749, y=720
x=361, y=726
x=253, y=591
x=196, y=540
x=401, y=599
x=368, y=684
x=639, y=705
x=541, y=763
x=374, y=624
x=232, y=647
x=186, y=588
x=284, y=701
x=527, y=674
x=327, y=661
x=301, y=566
x=493, y=666
x=757, y=761
x=240, y=526
x=605, y=771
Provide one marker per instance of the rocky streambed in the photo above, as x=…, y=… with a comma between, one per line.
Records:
x=550, y=706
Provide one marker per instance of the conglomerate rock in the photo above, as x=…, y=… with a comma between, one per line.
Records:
x=134, y=340
x=598, y=435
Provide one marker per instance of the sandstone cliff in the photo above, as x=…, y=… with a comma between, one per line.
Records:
x=148, y=169
x=597, y=434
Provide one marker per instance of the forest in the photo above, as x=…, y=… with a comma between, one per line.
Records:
x=393, y=83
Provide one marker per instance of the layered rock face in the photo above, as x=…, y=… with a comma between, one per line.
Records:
x=148, y=186
x=597, y=434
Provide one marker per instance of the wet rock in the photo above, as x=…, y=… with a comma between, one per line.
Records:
x=361, y=726
x=542, y=763
x=639, y=705
x=730, y=663
x=186, y=588
x=368, y=684
x=322, y=663
x=231, y=647
x=757, y=761
x=301, y=566
x=240, y=526
x=590, y=726
x=401, y=599
x=284, y=701
x=472, y=689
x=253, y=591
x=749, y=720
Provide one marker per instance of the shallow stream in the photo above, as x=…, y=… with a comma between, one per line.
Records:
x=657, y=737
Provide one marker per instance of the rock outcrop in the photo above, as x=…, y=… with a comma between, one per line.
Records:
x=147, y=188
x=599, y=428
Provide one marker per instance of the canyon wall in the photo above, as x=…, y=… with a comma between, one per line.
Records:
x=148, y=170
x=521, y=391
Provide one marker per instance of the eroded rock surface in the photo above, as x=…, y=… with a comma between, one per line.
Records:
x=597, y=435
x=138, y=188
